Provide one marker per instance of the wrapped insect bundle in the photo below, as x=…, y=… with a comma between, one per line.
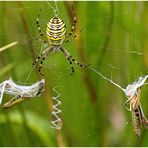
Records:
x=21, y=93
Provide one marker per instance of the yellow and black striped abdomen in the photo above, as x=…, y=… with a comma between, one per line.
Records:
x=56, y=31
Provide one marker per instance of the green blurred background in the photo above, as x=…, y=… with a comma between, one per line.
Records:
x=112, y=37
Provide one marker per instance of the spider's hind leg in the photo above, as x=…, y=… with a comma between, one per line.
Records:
x=81, y=65
x=70, y=36
x=70, y=62
x=67, y=55
x=71, y=59
x=36, y=60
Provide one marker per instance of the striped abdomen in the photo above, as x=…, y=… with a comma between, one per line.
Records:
x=136, y=122
x=56, y=31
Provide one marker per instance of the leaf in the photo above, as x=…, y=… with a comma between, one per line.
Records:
x=8, y=46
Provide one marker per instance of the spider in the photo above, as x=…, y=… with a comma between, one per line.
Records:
x=55, y=37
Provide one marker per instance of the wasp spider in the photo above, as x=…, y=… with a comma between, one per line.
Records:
x=55, y=36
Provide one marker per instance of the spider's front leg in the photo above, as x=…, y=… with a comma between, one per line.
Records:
x=43, y=37
x=70, y=35
x=68, y=58
x=74, y=21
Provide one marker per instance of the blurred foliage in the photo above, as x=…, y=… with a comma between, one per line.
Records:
x=113, y=40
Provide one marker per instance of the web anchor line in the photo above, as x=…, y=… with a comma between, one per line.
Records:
x=54, y=8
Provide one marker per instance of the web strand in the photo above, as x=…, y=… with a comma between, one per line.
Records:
x=101, y=75
x=55, y=8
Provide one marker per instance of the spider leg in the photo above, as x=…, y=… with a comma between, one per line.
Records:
x=72, y=59
x=74, y=22
x=81, y=65
x=67, y=55
x=39, y=56
x=36, y=60
x=72, y=29
x=71, y=66
x=46, y=53
x=71, y=38
x=43, y=38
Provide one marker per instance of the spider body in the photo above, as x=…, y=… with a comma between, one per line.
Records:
x=56, y=31
x=56, y=36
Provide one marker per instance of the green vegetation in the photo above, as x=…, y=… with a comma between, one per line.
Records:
x=112, y=37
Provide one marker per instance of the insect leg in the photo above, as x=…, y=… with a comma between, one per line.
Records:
x=3, y=85
x=16, y=100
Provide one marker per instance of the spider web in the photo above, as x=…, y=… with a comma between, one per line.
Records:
x=110, y=69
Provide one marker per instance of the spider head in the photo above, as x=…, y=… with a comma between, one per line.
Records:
x=56, y=31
